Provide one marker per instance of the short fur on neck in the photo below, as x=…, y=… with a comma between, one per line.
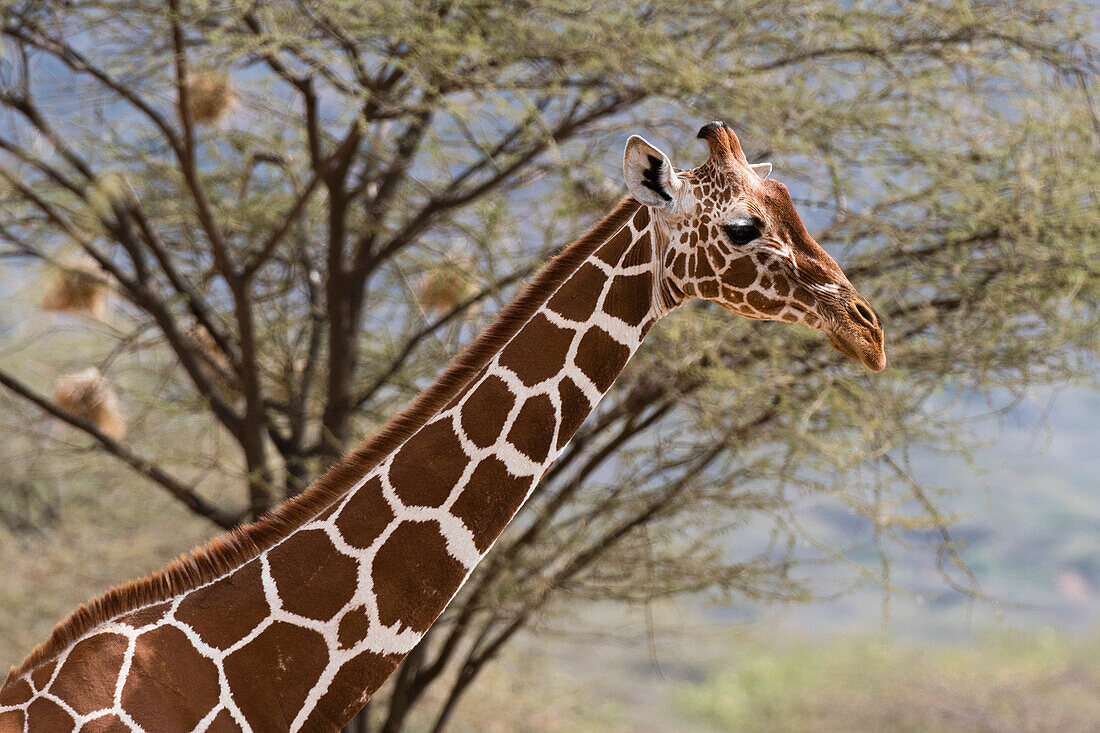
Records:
x=222, y=554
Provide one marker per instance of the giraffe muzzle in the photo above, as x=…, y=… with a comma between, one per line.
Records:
x=859, y=336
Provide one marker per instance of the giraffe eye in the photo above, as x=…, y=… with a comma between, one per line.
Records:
x=742, y=231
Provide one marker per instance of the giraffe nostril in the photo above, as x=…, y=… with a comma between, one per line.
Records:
x=863, y=314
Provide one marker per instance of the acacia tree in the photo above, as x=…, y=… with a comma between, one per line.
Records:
x=302, y=208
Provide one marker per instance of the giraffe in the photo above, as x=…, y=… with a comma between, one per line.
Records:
x=293, y=622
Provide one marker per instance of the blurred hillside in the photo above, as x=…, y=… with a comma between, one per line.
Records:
x=1029, y=524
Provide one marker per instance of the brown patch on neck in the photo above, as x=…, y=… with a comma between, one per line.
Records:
x=228, y=552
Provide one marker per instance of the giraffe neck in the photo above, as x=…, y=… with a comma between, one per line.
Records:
x=300, y=636
x=433, y=508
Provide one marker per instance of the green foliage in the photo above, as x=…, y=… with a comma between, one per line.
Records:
x=1039, y=682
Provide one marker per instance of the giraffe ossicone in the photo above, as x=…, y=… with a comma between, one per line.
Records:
x=292, y=623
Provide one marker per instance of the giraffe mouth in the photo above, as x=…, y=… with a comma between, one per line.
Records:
x=859, y=348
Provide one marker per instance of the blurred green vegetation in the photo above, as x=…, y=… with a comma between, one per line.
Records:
x=1034, y=681
x=1020, y=682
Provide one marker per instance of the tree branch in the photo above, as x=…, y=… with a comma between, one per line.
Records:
x=186, y=152
x=143, y=466
x=302, y=198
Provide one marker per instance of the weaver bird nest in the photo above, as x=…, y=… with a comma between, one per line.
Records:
x=88, y=395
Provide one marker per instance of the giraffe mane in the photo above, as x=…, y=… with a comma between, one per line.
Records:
x=221, y=554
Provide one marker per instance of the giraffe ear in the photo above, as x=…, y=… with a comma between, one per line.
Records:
x=649, y=175
x=761, y=169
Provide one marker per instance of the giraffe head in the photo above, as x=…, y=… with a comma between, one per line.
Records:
x=735, y=238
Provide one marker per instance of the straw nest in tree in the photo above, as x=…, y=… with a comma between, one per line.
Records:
x=209, y=97
x=445, y=287
x=87, y=394
x=79, y=286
